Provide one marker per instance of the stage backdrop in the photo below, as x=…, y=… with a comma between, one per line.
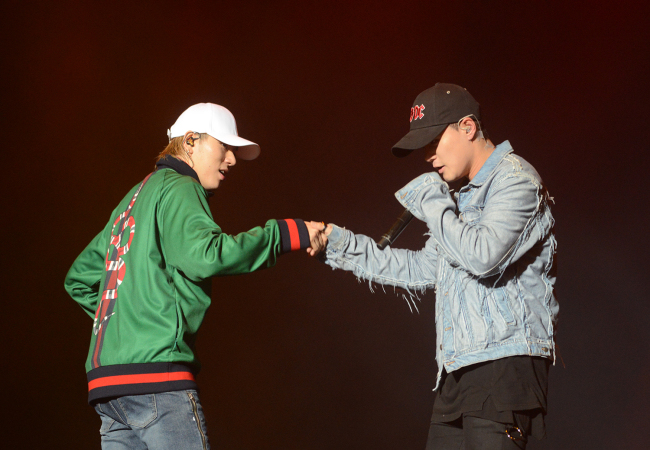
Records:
x=300, y=356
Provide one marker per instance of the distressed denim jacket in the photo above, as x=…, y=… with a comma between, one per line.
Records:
x=489, y=257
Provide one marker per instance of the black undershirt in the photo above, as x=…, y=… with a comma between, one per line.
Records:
x=506, y=390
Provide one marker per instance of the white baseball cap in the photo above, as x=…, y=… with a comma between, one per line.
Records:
x=219, y=123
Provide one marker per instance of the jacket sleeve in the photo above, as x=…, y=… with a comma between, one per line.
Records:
x=359, y=254
x=195, y=245
x=504, y=232
x=84, y=277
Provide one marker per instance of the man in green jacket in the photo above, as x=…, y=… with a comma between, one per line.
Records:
x=145, y=281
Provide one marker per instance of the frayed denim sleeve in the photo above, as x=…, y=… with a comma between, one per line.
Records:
x=505, y=231
x=359, y=254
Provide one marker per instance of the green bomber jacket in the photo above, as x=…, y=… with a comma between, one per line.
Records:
x=145, y=281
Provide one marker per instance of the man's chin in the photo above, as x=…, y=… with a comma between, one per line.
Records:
x=211, y=186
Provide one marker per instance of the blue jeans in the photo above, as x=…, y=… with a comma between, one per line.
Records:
x=168, y=420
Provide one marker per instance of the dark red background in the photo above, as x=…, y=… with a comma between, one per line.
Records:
x=300, y=357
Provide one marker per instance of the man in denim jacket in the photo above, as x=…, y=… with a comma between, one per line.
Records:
x=489, y=259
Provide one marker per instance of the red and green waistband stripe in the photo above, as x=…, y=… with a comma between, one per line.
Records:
x=294, y=235
x=134, y=379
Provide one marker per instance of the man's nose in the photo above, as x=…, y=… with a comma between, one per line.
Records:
x=230, y=158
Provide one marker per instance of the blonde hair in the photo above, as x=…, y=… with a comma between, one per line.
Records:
x=175, y=148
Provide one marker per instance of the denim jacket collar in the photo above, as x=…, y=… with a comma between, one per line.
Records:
x=493, y=160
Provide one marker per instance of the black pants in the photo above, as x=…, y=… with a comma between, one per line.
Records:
x=474, y=433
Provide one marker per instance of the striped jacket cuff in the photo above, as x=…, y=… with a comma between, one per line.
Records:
x=294, y=235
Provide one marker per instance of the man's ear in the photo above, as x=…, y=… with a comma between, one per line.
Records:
x=188, y=141
x=468, y=126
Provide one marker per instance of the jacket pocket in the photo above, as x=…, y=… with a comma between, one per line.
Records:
x=500, y=298
x=178, y=336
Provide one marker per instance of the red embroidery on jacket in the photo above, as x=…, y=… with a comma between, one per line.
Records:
x=115, y=270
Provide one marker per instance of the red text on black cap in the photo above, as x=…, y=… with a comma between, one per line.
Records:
x=416, y=113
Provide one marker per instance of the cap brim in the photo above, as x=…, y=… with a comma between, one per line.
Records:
x=246, y=149
x=416, y=139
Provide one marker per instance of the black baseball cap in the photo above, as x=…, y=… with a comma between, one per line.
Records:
x=432, y=111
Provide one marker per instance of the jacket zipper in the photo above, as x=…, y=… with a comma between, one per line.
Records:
x=196, y=417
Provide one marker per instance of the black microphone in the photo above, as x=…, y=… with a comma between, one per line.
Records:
x=397, y=228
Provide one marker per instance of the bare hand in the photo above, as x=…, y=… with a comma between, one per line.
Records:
x=317, y=237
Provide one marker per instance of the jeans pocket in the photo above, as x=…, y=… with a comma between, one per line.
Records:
x=139, y=410
x=107, y=421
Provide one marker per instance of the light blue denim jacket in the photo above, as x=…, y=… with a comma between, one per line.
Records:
x=489, y=258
